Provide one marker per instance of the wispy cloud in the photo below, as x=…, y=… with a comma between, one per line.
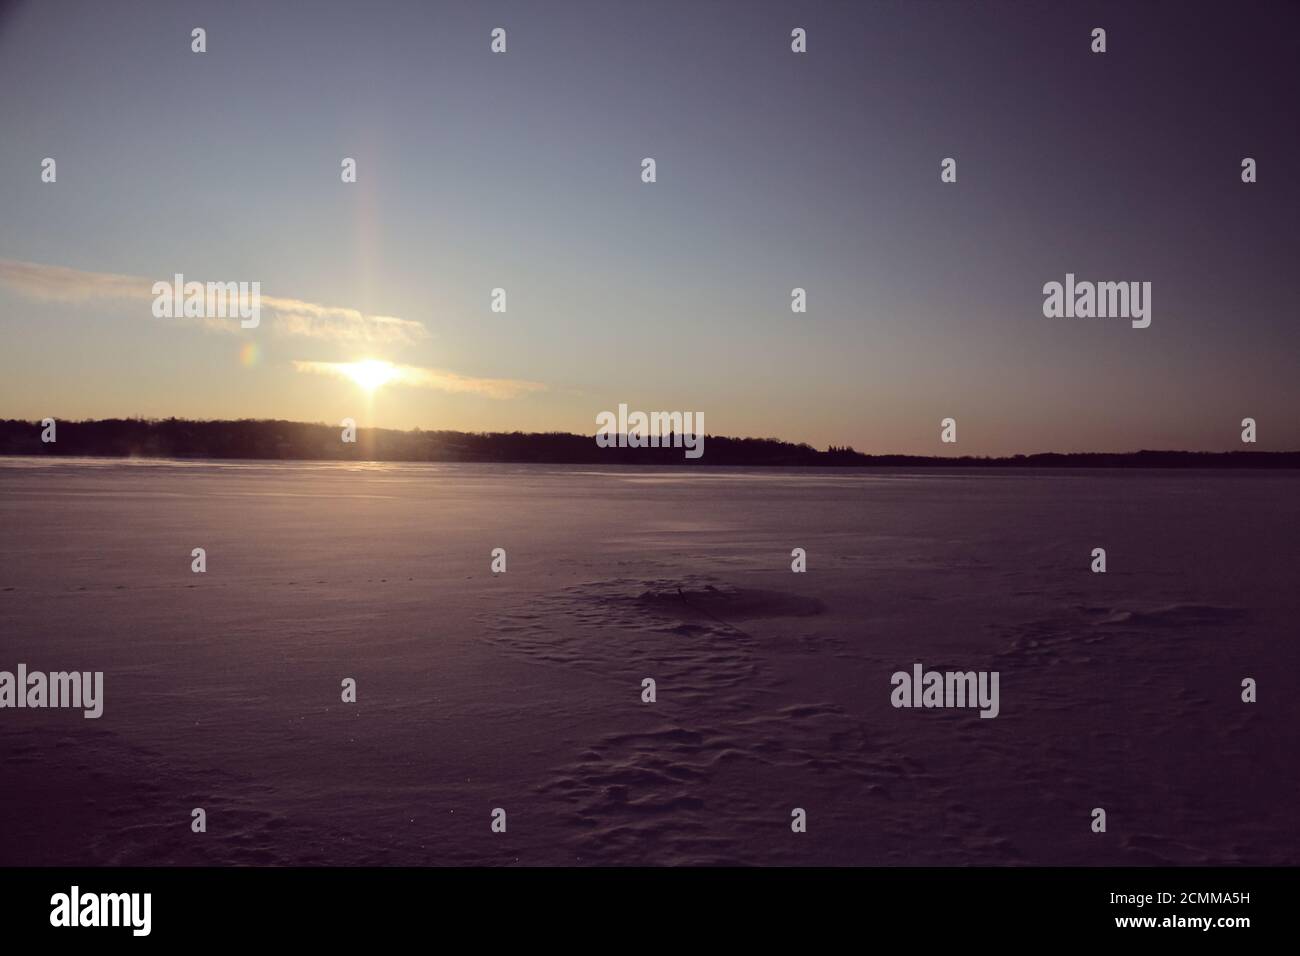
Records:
x=59, y=284
x=296, y=317
x=444, y=381
x=292, y=317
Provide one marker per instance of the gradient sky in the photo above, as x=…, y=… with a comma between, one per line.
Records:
x=775, y=170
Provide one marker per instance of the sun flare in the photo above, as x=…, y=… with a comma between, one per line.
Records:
x=371, y=373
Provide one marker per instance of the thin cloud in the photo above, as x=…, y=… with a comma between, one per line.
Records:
x=439, y=379
x=290, y=317
x=60, y=284
x=296, y=317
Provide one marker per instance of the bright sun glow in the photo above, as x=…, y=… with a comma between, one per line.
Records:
x=371, y=373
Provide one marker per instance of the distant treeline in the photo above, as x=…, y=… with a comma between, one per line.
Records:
x=179, y=438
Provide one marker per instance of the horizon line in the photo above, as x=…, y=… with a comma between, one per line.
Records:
x=839, y=455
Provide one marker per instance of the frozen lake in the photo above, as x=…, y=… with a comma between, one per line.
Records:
x=523, y=690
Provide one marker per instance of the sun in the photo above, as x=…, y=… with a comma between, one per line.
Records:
x=371, y=373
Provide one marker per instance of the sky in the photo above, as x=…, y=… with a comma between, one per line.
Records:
x=775, y=170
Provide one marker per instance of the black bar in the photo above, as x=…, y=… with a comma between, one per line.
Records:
x=208, y=905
